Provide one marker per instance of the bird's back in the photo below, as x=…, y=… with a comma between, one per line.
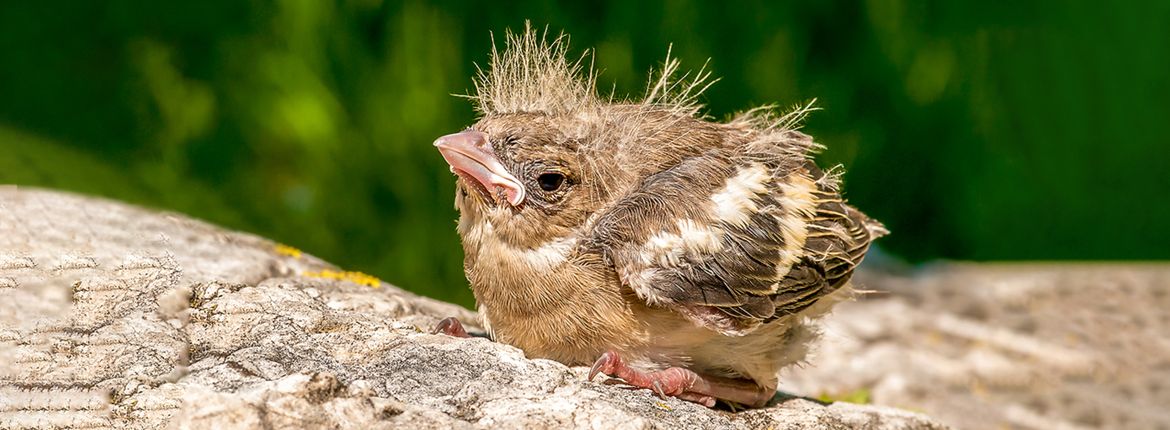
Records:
x=736, y=233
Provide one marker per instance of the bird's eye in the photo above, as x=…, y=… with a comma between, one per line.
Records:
x=550, y=181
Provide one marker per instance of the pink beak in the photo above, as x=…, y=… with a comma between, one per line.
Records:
x=470, y=153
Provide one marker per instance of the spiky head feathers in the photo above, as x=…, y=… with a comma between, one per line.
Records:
x=536, y=75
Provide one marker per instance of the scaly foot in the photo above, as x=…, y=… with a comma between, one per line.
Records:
x=683, y=383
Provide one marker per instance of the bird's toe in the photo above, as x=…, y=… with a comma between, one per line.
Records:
x=451, y=327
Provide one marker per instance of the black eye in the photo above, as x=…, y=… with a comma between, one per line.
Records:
x=550, y=181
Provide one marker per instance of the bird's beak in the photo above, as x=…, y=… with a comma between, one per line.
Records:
x=470, y=153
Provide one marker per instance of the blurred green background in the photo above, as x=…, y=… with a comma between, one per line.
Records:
x=974, y=130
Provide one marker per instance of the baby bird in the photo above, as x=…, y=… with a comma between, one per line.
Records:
x=666, y=250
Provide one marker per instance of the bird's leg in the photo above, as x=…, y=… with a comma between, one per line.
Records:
x=683, y=383
x=451, y=327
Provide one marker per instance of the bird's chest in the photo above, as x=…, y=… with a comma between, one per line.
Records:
x=570, y=311
x=556, y=335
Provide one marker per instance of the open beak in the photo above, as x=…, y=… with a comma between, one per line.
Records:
x=470, y=154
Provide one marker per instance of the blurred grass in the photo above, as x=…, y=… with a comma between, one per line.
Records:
x=982, y=131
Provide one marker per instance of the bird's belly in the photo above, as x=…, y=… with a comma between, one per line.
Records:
x=758, y=355
x=647, y=338
x=566, y=336
x=571, y=313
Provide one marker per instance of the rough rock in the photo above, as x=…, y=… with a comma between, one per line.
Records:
x=112, y=315
x=1025, y=345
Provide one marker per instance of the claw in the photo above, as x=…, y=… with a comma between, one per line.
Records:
x=604, y=364
x=658, y=388
x=451, y=327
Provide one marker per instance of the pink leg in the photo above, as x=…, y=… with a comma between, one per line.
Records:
x=683, y=383
x=451, y=327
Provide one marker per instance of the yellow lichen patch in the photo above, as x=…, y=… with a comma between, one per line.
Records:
x=354, y=277
x=283, y=249
x=860, y=396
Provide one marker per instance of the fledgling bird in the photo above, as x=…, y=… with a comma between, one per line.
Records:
x=669, y=251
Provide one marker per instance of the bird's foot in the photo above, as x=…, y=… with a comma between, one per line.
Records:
x=683, y=383
x=451, y=327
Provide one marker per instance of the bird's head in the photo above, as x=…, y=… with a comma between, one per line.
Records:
x=547, y=152
x=521, y=176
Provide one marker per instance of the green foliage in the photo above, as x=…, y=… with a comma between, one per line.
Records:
x=974, y=130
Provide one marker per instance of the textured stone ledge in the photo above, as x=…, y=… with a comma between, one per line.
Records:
x=112, y=315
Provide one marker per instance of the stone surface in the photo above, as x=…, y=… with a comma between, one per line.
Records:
x=112, y=315
x=1030, y=346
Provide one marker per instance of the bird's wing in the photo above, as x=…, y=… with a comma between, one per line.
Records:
x=731, y=241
